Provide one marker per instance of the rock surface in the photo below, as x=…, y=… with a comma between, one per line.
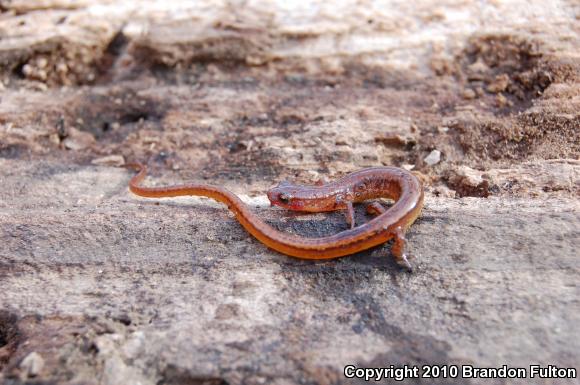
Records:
x=101, y=287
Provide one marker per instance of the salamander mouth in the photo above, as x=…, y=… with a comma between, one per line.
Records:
x=297, y=205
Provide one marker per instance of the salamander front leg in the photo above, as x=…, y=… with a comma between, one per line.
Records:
x=349, y=213
x=399, y=247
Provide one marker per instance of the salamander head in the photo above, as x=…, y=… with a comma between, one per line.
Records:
x=302, y=198
x=284, y=195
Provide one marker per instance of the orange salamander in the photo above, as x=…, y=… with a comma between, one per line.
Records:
x=370, y=183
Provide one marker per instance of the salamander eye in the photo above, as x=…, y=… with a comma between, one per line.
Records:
x=284, y=198
x=360, y=187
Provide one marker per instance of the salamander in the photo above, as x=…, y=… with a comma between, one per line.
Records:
x=370, y=183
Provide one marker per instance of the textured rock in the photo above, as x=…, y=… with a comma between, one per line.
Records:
x=31, y=365
x=433, y=158
x=182, y=279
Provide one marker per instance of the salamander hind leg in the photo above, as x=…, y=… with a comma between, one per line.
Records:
x=376, y=208
x=399, y=248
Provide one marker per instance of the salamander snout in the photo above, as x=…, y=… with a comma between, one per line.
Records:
x=279, y=198
x=283, y=195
